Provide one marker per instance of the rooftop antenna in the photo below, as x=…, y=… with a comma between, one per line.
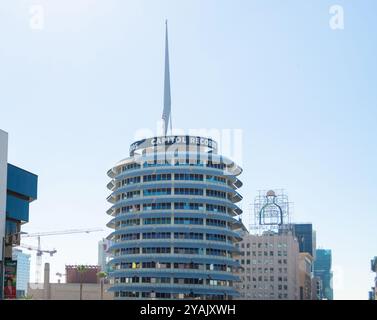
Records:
x=166, y=114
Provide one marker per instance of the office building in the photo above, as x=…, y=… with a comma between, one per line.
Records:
x=277, y=256
x=103, y=255
x=18, y=188
x=322, y=270
x=174, y=217
x=317, y=290
x=3, y=198
x=305, y=262
x=23, y=272
x=269, y=267
x=306, y=237
x=269, y=255
x=175, y=225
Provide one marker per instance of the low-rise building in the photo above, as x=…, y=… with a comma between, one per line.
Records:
x=87, y=274
x=67, y=291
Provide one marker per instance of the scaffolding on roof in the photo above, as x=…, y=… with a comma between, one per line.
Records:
x=271, y=212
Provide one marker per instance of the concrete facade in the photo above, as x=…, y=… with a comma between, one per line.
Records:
x=305, y=276
x=66, y=291
x=3, y=186
x=269, y=267
x=69, y=291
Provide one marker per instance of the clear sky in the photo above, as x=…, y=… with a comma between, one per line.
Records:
x=74, y=93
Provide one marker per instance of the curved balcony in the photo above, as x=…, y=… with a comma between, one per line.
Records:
x=173, y=169
x=176, y=273
x=175, y=228
x=176, y=198
x=177, y=213
x=187, y=243
x=197, y=184
x=174, y=258
x=175, y=288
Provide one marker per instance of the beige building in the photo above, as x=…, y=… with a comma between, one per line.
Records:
x=317, y=288
x=67, y=291
x=269, y=267
x=306, y=282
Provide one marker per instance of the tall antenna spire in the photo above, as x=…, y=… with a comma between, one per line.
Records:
x=166, y=114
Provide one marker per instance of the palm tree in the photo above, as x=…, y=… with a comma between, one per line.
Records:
x=81, y=270
x=102, y=275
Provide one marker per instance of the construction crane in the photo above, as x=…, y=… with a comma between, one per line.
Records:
x=40, y=252
x=60, y=275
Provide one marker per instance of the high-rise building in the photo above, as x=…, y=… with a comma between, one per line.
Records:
x=269, y=267
x=322, y=270
x=23, y=271
x=317, y=290
x=174, y=220
x=277, y=256
x=103, y=255
x=18, y=188
x=306, y=237
x=174, y=217
x=305, y=262
x=3, y=199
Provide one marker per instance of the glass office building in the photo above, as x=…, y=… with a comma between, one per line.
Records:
x=174, y=216
x=322, y=270
x=305, y=236
x=23, y=272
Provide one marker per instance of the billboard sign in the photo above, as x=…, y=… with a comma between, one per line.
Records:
x=10, y=279
x=173, y=140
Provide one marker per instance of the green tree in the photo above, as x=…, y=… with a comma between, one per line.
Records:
x=102, y=276
x=81, y=270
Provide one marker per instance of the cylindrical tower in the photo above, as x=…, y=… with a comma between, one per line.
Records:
x=174, y=219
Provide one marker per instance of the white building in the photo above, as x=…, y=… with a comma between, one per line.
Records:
x=3, y=196
x=23, y=271
x=269, y=267
x=103, y=254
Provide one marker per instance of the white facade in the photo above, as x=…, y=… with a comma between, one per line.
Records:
x=269, y=267
x=3, y=186
x=23, y=271
x=103, y=254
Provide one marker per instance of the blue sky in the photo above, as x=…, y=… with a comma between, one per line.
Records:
x=74, y=93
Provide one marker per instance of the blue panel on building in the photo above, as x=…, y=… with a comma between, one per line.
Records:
x=22, y=182
x=21, y=190
x=304, y=234
x=17, y=209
